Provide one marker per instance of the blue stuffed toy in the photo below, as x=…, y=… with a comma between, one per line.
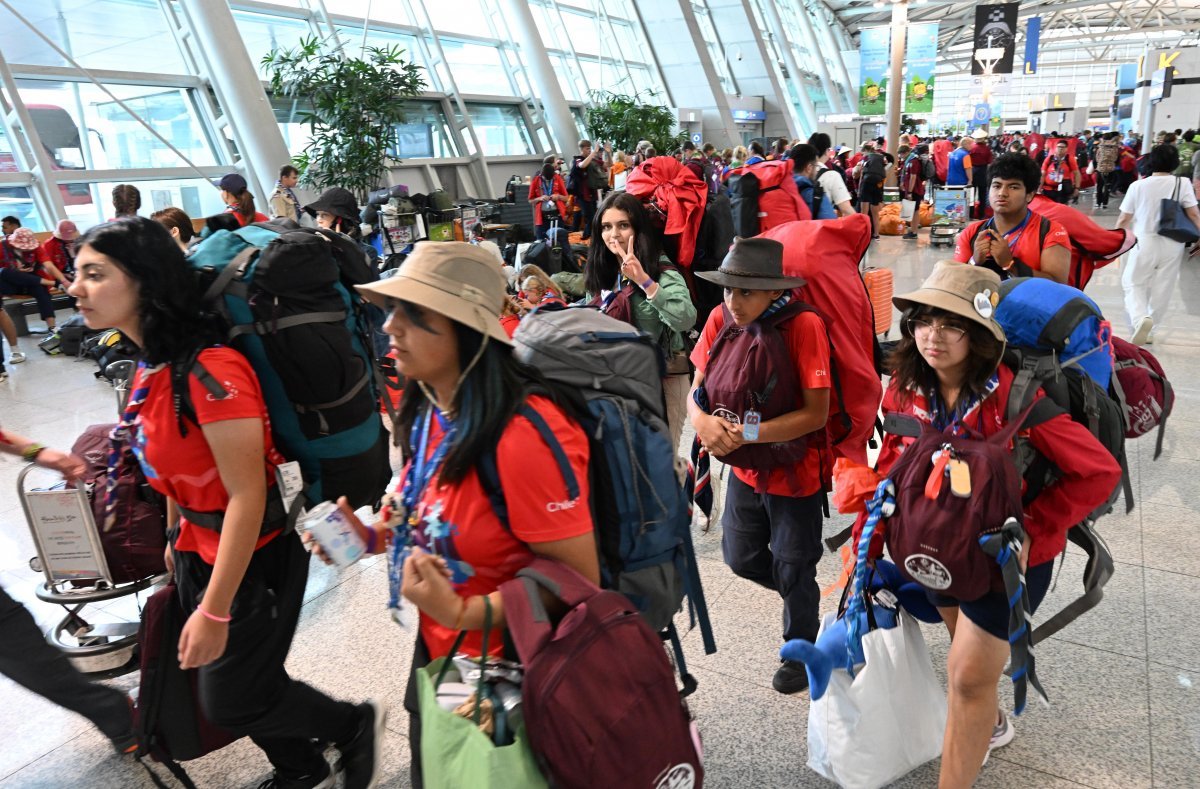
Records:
x=840, y=644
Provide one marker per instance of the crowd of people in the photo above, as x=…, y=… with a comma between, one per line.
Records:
x=466, y=393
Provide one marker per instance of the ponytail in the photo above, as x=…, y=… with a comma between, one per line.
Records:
x=245, y=205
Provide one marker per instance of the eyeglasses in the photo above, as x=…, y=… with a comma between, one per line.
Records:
x=944, y=332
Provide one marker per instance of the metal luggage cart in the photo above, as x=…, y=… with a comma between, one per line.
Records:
x=71, y=557
x=951, y=210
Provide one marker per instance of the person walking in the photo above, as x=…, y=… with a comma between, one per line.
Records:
x=284, y=203
x=1151, y=272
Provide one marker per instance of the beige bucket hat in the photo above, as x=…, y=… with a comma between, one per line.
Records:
x=452, y=278
x=968, y=291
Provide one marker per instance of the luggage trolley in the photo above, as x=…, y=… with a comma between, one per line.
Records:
x=951, y=209
x=71, y=557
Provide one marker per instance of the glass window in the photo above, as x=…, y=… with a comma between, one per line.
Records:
x=17, y=201
x=583, y=32
x=396, y=13
x=606, y=76
x=464, y=17
x=563, y=69
x=109, y=135
x=196, y=196
x=425, y=134
x=262, y=33
x=352, y=42
x=477, y=68
x=98, y=34
x=501, y=129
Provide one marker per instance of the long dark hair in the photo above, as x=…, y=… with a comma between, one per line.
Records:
x=174, y=324
x=911, y=373
x=245, y=204
x=126, y=199
x=488, y=397
x=602, y=265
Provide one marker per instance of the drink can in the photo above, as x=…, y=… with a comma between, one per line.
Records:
x=337, y=538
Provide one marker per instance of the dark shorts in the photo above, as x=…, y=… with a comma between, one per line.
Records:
x=870, y=194
x=990, y=612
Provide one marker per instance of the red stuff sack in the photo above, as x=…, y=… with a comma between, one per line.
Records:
x=1141, y=388
x=599, y=698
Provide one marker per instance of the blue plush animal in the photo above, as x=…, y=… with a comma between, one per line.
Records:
x=840, y=645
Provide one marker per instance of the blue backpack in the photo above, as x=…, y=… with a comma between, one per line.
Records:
x=285, y=293
x=608, y=375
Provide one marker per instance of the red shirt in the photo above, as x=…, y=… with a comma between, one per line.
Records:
x=259, y=216
x=1056, y=171
x=808, y=345
x=459, y=522
x=1024, y=244
x=558, y=186
x=58, y=253
x=914, y=170
x=183, y=467
x=1089, y=472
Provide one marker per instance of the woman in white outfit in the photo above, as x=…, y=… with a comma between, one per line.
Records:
x=1152, y=268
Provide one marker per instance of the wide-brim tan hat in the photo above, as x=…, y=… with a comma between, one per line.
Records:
x=961, y=289
x=452, y=278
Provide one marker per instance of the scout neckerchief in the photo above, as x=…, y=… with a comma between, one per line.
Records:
x=934, y=409
x=120, y=440
x=1012, y=237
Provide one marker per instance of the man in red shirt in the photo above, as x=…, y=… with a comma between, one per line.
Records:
x=1060, y=174
x=773, y=508
x=912, y=186
x=1016, y=242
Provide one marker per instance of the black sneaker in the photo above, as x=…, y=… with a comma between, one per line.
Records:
x=322, y=780
x=791, y=677
x=361, y=757
x=910, y=236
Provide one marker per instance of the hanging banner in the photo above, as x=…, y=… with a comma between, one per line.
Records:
x=1033, y=35
x=995, y=39
x=920, y=57
x=875, y=58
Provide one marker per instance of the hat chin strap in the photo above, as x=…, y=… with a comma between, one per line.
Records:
x=449, y=409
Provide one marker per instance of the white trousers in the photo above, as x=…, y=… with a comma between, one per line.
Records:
x=1151, y=275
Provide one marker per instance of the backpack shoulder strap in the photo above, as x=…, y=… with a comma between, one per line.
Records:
x=489, y=470
x=1043, y=231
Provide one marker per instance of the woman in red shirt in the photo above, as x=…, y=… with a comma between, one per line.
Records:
x=946, y=371
x=448, y=548
x=236, y=195
x=239, y=570
x=548, y=194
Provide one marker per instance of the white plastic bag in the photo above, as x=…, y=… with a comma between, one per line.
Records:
x=907, y=208
x=870, y=730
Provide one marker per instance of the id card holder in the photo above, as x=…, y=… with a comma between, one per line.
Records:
x=750, y=422
x=290, y=481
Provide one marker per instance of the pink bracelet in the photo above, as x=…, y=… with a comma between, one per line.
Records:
x=222, y=619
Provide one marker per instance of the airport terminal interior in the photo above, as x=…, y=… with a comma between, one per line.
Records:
x=176, y=96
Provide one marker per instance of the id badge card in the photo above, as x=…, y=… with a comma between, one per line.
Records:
x=290, y=481
x=750, y=423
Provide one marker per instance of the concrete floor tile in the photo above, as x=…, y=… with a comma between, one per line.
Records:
x=1171, y=539
x=1174, y=482
x=1173, y=637
x=1123, y=532
x=1117, y=624
x=1175, y=725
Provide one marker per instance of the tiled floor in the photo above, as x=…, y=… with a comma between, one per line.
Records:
x=1124, y=681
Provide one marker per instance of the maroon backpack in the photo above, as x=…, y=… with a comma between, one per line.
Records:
x=749, y=367
x=134, y=546
x=933, y=537
x=600, y=703
x=1141, y=388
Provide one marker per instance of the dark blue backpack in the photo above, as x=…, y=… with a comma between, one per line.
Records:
x=286, y=295
x=608, y=376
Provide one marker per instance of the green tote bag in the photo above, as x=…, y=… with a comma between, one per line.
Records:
x=455, y=754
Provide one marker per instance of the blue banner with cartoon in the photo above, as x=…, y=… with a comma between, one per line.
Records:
x=874, y=59
x=920, y=59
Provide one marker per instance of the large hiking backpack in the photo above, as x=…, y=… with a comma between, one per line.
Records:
x=168, y=720
x=764, y=196
x=1060, y=342
x=613, y=374
x=750, y=368
x=712, y=244
x=1092, y=246
x=286, y=294
x=598, y=697
x=134, y=546
x=827, y=254
x=107, y=347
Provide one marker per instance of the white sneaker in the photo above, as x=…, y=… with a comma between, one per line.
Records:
x=3, y=376
x=1142, y=330
x=16, y=358
x=1002, y=734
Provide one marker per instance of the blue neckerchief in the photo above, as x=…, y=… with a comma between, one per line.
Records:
x=941, y=419
x=776, y=305
x=421, y=471
x=290, y=194
x=1019, y=230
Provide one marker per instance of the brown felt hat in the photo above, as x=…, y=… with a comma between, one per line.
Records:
x=753, y=264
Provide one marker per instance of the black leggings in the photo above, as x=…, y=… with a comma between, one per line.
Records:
x=247, y=690
x=14, y=282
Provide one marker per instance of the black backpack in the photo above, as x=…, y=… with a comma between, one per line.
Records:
x=928, y=170
x=712, y=244
x=107, y=347
x=546, y=257
x=743, y=199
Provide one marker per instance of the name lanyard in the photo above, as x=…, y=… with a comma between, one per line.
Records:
x=1019, y=230
x=421, y=471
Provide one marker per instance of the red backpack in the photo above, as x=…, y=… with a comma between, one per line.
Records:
x=749, y=367
x=599, y=698
x=764, y=195
x=1141, y=388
